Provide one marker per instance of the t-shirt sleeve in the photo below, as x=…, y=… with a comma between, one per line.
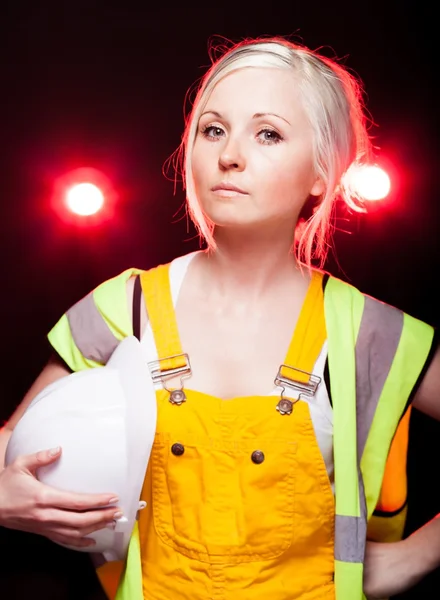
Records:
x=88, y=333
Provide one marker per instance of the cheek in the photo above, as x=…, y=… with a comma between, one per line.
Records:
x=285, y=187
x=200, y=164
x=293, y=178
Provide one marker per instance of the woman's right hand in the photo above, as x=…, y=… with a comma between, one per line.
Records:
x=67, y=518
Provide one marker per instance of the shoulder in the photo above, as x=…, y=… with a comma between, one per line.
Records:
x=89, y=331
x=388, y=342
x=114, y=297
x=370, y=310
x=172, y=272
x=427, y=395
x=108, y=301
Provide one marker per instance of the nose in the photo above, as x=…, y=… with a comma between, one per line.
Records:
x=231, y=156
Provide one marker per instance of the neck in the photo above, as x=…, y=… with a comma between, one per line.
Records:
x=251, y=264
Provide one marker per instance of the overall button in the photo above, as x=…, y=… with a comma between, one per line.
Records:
x=177, y=449
x=177, y=397
x=257, y=457
x=284, y=406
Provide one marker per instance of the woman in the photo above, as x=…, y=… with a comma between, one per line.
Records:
x=268, y=462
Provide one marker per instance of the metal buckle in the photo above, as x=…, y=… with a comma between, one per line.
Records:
x=159, y=376
x=308, y=388
x=177, y=396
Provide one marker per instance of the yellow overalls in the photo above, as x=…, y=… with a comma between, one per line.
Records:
x=376, y=354
x=239, y=503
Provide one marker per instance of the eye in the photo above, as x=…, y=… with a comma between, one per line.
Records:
x=269, y=136
x=212, y=132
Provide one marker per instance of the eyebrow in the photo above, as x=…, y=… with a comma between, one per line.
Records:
x=255, y=116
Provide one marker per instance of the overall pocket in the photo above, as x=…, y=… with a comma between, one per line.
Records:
x=224, y=501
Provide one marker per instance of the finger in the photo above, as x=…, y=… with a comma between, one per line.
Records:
x=32, y=462
x=79, y=502
x=93, y=529
x=67, y=539
x=75, y=535
x=90, y=520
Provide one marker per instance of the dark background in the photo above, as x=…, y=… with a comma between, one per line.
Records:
x=102, y=85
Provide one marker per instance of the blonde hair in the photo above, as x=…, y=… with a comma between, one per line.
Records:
x=332, y=98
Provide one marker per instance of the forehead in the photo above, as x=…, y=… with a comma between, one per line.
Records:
x=257, y=90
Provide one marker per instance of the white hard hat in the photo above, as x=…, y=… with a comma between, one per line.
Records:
x=104, y=419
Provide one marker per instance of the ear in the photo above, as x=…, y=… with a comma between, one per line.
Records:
x=318, y=187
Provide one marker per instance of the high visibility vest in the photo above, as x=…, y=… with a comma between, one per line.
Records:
x=375, y=356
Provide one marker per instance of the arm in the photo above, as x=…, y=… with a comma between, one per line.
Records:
x=26, y=503
x=427, y=398
x=395, y=567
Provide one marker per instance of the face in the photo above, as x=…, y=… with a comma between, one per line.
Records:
x=252, y=159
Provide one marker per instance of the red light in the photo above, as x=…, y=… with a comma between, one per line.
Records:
x=85, y=199
x=369, y=182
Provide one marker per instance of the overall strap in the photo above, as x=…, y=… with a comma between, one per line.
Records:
x=156, y=289
x=310, y=331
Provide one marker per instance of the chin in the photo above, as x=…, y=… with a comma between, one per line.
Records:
x=227, y=218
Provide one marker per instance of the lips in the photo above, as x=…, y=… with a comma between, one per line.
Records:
x=226, y=186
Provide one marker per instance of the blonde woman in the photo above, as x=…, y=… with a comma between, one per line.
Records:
x=272, y=449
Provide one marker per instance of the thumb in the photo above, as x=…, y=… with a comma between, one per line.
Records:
x=32, y=462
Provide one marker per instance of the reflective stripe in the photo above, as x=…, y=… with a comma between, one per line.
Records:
x=376, y=346
x=351, y=532
x=408, y=363
x=90, y=332
x=350, y=541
